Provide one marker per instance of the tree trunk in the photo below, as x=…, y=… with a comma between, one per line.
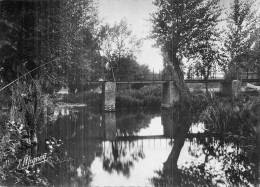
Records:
x=26, y=107
x=178, y=76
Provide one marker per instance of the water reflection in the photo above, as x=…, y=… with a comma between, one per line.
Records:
x=118, y=149
x=140, y=158
x=212, y=160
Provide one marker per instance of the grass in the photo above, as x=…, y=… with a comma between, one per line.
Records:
x=230, y=115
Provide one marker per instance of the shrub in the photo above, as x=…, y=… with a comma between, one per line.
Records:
x=153, y=90
x=146, y=97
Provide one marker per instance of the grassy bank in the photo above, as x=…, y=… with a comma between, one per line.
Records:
x=144, y=98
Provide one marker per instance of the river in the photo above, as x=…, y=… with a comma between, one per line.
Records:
x=130, y=149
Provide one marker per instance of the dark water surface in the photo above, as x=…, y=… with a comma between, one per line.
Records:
x=129, y=149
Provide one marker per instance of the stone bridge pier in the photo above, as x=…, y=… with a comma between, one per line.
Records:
x=170, y=94
x=109, y=96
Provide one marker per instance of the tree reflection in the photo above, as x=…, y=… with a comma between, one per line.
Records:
x=120, y=157
x=131, y=124
x=181, y=125
x=226, y=160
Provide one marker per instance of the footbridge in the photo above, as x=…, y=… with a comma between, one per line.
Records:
x=170, y=93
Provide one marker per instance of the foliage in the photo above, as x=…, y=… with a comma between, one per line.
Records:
x=128, y=102
x=56, y=36
x=229, y=116
x=118, y=43
x=178, y=27
x=13, y=140
x=241, y=36
x=13, y=147
x=146, y=97
x=44, y=43
x=206, y=56
x=128, y=68
x=192, y=107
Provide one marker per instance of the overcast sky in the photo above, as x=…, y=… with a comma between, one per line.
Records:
x=137, y=14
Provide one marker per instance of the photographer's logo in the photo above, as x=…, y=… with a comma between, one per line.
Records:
x=27, y=161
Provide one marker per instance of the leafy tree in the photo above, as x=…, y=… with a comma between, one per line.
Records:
x=254, y=62
x=129, y=69
x=117, y=43
x=207, y=55
x=71, y=34
x=240, y=37
x=177, y=27
x=41, y=43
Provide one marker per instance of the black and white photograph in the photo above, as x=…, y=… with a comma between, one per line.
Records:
x=130, y=93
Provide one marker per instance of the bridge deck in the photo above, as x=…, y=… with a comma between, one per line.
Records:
x=163, y=81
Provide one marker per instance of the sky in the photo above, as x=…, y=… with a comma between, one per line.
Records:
x=137, y=14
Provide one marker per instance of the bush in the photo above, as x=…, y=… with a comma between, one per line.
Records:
x=146, y=97
x=152, y=90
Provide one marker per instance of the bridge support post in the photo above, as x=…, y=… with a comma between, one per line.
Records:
x=231, y=88
x=109, y=96
x=170, y=94
x=236, y=88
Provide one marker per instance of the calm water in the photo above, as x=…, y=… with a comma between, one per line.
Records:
x=129, y=149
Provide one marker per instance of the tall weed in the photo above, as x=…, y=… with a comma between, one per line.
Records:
x=229, y=116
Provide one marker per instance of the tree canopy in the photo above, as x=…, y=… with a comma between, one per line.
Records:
x=242, y=36
x=178, y=25
x=59, y=32
x=117, y=43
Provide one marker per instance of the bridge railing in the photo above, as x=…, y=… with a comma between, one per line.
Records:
x=128, y=76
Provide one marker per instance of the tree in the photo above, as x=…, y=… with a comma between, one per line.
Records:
x=41, y=42
x=206, y=54
x=255, y=60
x=129, y=69
x=70, y=33
x=240, y=37
x=118, y=42
x=177, y=26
